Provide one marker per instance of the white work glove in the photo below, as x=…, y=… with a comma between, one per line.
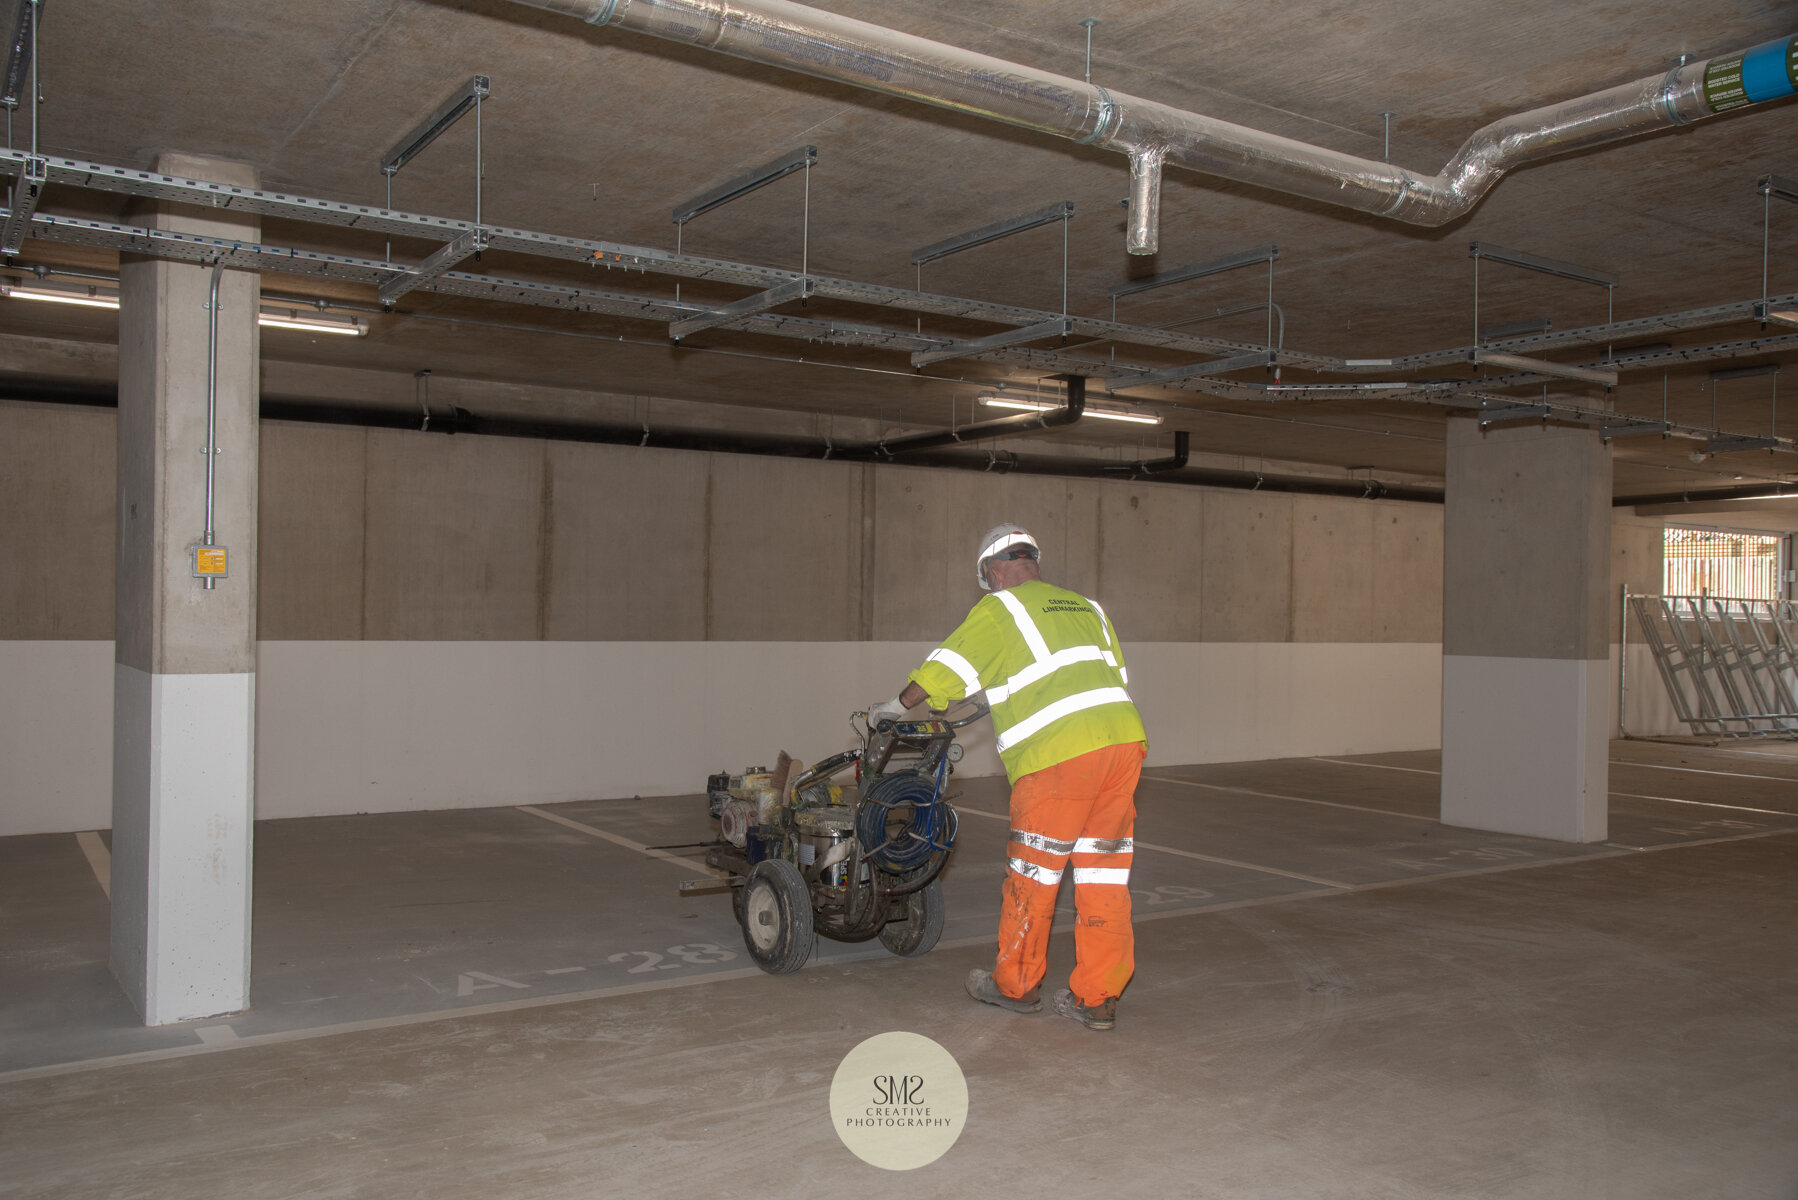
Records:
x=890, y=710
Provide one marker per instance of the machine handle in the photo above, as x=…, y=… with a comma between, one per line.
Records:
x=980, y=710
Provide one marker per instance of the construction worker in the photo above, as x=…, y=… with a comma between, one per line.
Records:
x=1072, y=744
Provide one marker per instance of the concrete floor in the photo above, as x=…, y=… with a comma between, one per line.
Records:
x=1336, y=997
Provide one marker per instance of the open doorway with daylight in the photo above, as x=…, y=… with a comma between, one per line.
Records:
x=1740, y=566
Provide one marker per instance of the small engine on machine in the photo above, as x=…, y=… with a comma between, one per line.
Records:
x=851, y=848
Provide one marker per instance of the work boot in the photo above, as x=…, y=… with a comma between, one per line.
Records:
x=983, y=989
x=1099, y=1016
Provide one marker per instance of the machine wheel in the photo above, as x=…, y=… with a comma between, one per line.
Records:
x=922, y=924
x=777, y=917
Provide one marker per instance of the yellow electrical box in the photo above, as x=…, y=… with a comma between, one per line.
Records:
x=209, y=562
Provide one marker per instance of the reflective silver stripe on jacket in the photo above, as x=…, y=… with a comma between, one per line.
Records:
x=1046, y=664
x=1043, y=717
x=970, y=678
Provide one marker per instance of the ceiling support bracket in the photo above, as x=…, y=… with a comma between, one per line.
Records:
x=1632, y=429
x=1217, y=366
x=1513, y=412
x=1060, y=211
x=446, y=258
x=749, y=306
x=26, y=192
x=1727, y=445
x=1059, y=327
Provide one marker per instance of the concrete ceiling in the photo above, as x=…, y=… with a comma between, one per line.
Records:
x=597, y=133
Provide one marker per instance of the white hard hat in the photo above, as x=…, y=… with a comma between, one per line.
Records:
x=998, y=539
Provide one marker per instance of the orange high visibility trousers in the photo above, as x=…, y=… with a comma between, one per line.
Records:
x=1077, y=815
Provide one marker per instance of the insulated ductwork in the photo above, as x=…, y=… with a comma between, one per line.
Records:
x=817, y=43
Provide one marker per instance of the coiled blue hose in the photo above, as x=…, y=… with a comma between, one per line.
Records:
x=906, y=845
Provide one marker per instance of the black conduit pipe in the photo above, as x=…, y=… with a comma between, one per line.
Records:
x=1030, y=422
x=998, y=462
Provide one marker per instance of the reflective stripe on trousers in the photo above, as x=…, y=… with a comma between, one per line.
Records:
x=1078, y=814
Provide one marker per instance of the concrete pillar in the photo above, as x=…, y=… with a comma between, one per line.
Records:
x=1525, y=631
x=184, y=674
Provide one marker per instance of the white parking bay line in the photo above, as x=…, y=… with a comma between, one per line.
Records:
x=1771, y=812
x=1223, y=787
x=1349, y=762
x=1211, y=858
x=1615, y=762
x=686, y=864
x=1701, y=771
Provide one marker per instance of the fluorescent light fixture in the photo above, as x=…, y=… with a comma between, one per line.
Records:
x=98, y=297
x=1099, y=409
x=1541, y=366
x=313, y=323
x=85, y=297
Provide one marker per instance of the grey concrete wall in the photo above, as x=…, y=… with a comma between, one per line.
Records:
x=396, y=536
x=1528, y=527
x=58, y=492
x=1638, y=562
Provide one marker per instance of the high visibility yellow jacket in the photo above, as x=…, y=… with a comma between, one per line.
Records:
x=1053, y=672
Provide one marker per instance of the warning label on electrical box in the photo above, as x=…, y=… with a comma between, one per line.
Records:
x=209, y=562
